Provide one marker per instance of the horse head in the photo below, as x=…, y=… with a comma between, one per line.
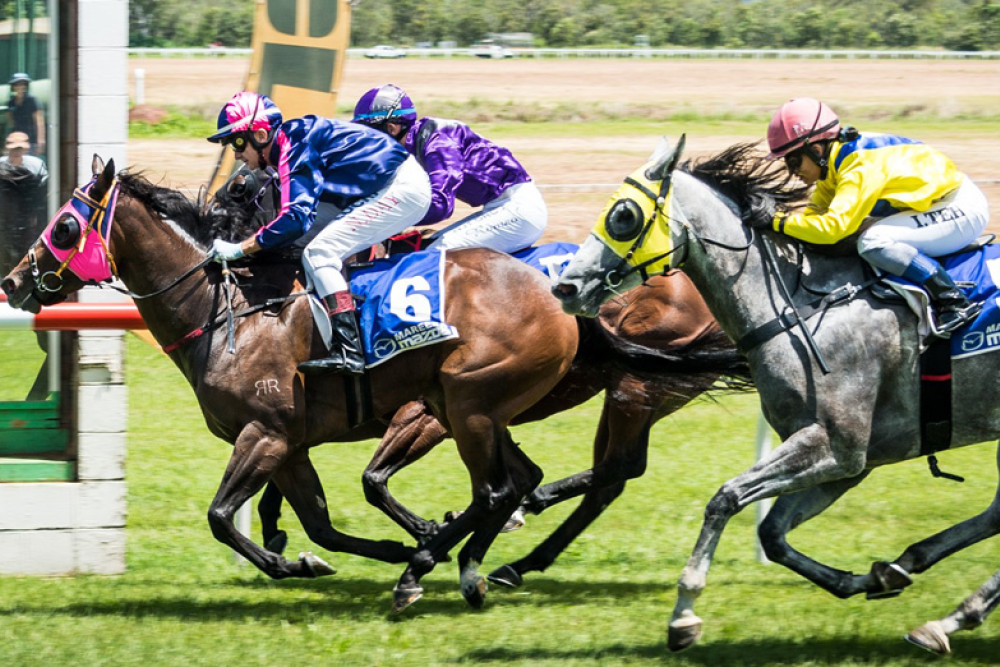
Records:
x=72, y=249
x=631, y=240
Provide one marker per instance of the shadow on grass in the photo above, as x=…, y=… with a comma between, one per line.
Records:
x=752, y=653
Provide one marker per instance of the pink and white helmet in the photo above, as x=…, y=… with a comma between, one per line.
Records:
x=798, y=122
x=246, y=111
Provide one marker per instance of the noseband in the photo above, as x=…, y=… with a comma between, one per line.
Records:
x=98, y=217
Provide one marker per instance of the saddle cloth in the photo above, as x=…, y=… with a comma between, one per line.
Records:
x=401, y=299
x=978, y=273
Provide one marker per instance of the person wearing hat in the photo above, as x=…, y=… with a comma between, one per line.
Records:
x=376, y=187
x=19, y=165
x=905, y=202
x=24, y=114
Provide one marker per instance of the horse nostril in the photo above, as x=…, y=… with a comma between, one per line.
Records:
x=564, y=290
x=8, y=286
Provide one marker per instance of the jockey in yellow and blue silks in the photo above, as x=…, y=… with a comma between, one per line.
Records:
x=908, y=201
x=351, y=185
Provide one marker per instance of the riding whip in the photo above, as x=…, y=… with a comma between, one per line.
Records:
x=227, y=277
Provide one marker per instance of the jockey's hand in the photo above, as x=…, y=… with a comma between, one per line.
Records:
x=224, y=251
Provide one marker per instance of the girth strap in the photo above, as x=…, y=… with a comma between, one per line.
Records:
x=935, y=397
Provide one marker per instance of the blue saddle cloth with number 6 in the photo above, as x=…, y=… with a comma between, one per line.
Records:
x=401, y=299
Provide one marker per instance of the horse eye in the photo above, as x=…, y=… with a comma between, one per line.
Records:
x=65, y=233
x=624, y=221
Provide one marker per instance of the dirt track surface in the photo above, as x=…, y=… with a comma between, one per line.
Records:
x=869, y=87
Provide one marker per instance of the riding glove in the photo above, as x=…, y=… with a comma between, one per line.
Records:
x=224, y=251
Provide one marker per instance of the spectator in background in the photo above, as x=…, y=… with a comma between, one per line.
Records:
x=24, y=114
x=23, y=196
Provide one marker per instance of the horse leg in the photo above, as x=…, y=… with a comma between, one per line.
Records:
x=803, y=460
x=256, y=455
x=301, y=486
x=493, y=499
x=794, y=509
x=921, y=556
x=512, y=479
x=933, y=635
x=413, y=432
x=269, y=511
x=620, y=448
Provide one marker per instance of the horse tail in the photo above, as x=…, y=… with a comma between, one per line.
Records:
x=711, y=362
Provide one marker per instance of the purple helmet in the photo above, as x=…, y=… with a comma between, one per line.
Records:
x=380, y=105
x=247, y=111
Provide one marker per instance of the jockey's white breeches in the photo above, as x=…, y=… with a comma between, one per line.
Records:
x=949, y=225
x=512, y=221
x=399, y=205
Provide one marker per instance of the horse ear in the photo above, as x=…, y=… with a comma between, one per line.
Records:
x=665, y=158
x=96, y=165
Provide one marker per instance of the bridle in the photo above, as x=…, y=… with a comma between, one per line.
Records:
x=99, y=216
x=616, y=276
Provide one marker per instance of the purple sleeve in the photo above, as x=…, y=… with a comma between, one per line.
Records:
x=443, y=160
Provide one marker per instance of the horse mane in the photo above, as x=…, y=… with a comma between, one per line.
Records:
x=757, y=185
x=203, y=222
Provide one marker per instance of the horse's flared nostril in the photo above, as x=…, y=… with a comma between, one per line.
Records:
x=564, y=290
x=8, y=286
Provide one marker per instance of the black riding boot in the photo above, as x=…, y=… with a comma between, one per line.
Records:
x=346, y=353
x=951, y=307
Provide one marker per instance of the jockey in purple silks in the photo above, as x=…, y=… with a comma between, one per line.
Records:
x=461, y=165
x=350, y=185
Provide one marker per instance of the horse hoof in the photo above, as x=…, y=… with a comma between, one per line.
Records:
x=404, y=597
x=891, y=580
x=505, y=575
x=316, y=566
x=931, y=637
x=684, y=632
x=515, y=521
x=277, y=544
x=475, y=593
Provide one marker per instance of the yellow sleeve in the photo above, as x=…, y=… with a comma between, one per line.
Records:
x=850, y=200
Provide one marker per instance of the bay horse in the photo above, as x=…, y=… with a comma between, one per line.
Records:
x=514, y=345
x=835, y=427
x=665, y=313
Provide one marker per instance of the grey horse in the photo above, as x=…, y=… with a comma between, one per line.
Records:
x=933, y=635
x=835, y=426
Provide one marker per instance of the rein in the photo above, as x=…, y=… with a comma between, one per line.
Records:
x=227, y=318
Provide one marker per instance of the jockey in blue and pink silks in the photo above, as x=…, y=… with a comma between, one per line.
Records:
x=376, y=187
x=907, y=202
x=462, y=166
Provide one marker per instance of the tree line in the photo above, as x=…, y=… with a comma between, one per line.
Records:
x=962, y=25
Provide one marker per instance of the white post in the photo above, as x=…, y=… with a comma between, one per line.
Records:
x=140, y=86
x=763, y=447
x=242, y=521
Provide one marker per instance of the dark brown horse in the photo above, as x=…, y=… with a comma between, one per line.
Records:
x=666, y=313
x=515, y=345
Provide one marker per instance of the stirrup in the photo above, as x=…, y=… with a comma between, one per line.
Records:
x=341, y=365
x=955, y=319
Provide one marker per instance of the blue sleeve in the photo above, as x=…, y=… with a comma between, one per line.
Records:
x=299, y=186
